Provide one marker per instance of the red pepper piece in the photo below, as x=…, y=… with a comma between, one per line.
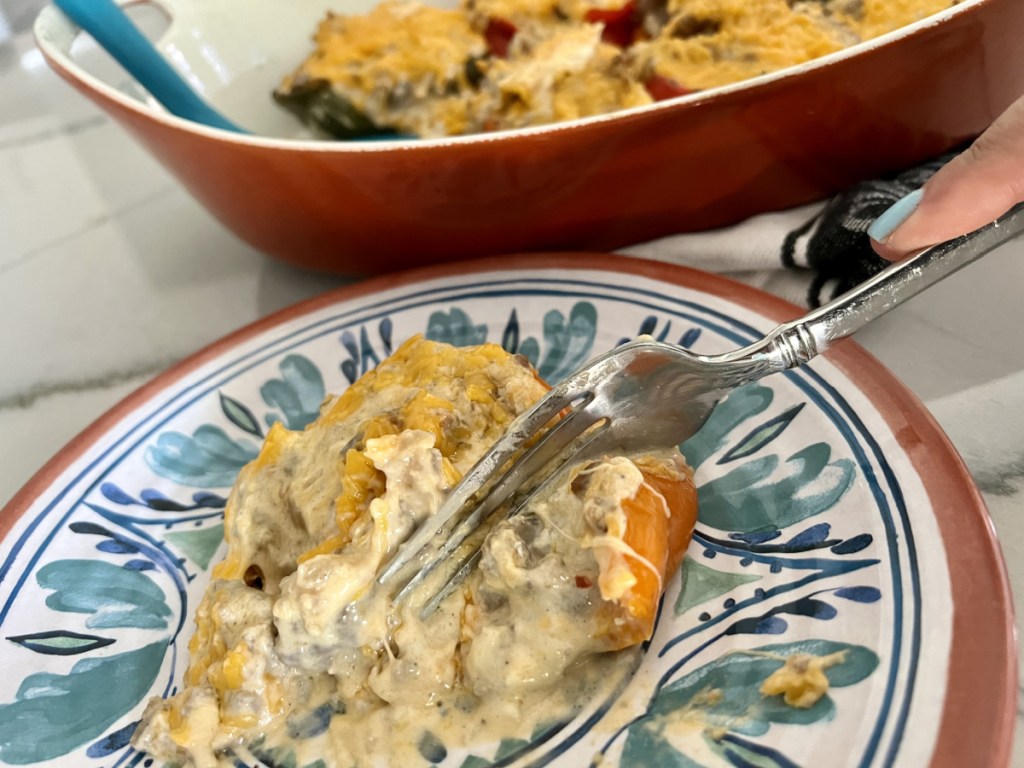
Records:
x=620, y=24
x=583, y=582
x=661, y=88
x=499, y=34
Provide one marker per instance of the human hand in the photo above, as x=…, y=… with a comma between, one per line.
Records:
x=974, y=188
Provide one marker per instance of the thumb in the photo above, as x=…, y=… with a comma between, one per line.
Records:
x=973, y=189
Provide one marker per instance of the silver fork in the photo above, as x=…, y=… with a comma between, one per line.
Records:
x=645, y=395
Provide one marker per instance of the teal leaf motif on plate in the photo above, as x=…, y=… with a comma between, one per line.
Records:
x=208, y=458
x=741, y=405
x=115, y=596
x=362, y=354
x=723, y=698
x=113, y=742
x=298, y=394
x=761, y=436
x=61, y=642
x=456, y=328
x=52, y=714
x=155, y=500
x=510, y=336
x=200, y=545
x=511, y=343
x=701, y=583
x=740, y=751
x=310, y=724
x=507, y=748
x=649, y=327
x=431, y=748
x=746, y=499
x=239, y=415
x=567, y=343
x=510, y=749
x=279, y=757
x=276, y=757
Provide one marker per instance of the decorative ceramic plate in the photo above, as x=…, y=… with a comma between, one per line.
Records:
x=835, y=520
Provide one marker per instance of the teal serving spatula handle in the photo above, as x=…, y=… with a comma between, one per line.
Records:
x=109, y=26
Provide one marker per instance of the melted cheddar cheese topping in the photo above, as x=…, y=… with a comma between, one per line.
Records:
x=496, y=64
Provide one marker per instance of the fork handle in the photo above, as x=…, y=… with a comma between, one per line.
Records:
x=794, y=343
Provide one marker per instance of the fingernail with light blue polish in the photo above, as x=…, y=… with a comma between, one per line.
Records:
x=894, y=215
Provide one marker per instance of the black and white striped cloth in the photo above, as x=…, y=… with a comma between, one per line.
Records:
x=808, y=255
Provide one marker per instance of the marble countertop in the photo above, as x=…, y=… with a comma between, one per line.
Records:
x=110, y=273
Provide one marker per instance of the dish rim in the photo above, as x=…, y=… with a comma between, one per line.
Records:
x=54, y=34
x=983, y=621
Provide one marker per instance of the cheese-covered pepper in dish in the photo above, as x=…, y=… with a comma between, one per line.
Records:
x=488, y=65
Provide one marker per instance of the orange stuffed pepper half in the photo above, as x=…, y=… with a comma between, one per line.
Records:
x=294, y=638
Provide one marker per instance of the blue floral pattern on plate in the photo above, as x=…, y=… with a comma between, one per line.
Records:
x=805, y=543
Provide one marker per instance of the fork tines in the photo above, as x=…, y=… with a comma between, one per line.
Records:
x=471, y=504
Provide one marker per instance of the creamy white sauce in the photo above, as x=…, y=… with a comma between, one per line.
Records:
x=315, y=658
